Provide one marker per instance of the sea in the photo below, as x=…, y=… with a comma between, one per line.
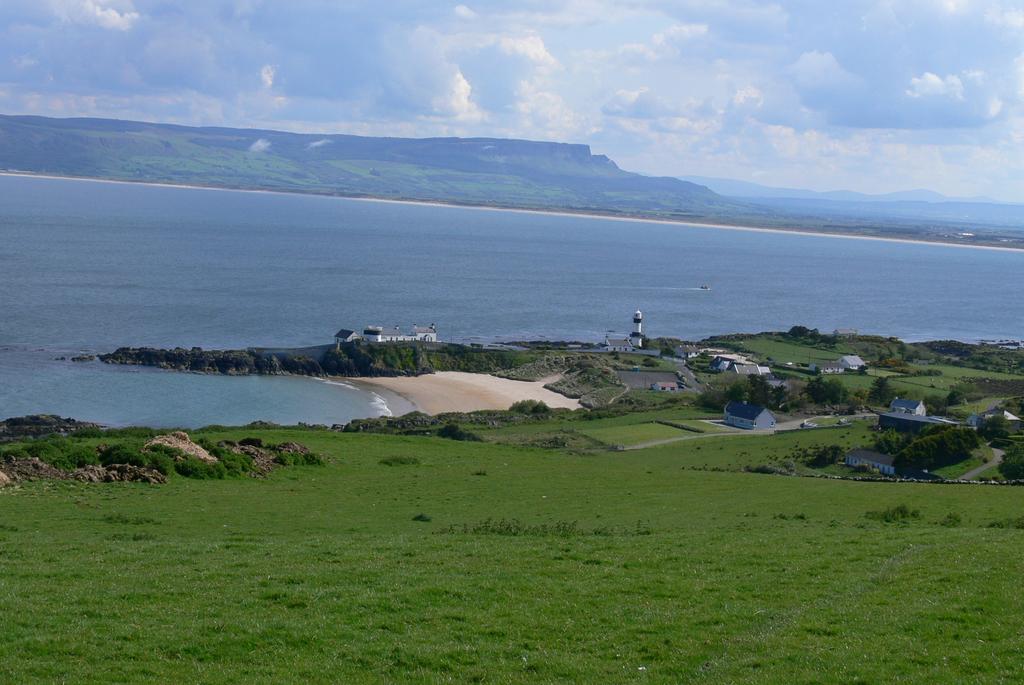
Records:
x=89, y=266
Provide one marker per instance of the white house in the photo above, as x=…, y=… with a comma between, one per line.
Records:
x=724, y=362
x=845, y=332
x=882, y=462
x=827, y=368
x=665, y=387
x=749, y=370
x=379, y=334
x=901, y=406
x=618, y=345
x=346, y=336
x=749, y=416
x=687, y=351
x=978, y=420
x=852, y=362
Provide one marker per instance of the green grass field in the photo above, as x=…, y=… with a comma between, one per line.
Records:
x=621, y=567
x=635, y=434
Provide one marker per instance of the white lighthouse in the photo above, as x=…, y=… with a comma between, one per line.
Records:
x=637, y=336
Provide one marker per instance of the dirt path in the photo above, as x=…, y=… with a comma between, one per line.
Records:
x=997, y=458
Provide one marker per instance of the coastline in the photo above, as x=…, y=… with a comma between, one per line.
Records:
x=550, y=212
x=457, y=391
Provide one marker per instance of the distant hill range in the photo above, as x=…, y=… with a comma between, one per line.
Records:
x=925, y=205
x=486, y=171
x=476, y=171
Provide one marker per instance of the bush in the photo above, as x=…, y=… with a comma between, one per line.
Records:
x=1013, y=463
x=122, y=454
x=298, y=459
x=196, y=468
x=901, y=512
x=951, y=520
x=399, y=461
x=530, y=407
x=454, y=431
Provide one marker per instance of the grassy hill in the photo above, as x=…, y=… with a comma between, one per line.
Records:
x=488, y=171
x=417, y=559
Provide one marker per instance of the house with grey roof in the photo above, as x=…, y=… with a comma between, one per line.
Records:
x=749, y=416
x=915, y=407
x=346, y=336
x=852, y=362
x=885, y=463
x=618, y=345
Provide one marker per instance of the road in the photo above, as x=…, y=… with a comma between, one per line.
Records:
x=997, y=458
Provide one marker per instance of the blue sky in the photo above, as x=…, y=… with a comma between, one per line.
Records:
x=871, y=95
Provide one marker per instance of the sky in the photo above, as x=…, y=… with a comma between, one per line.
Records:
x=868, y=95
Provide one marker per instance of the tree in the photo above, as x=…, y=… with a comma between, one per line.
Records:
x=995, y=427
x=891, y=441
x=881, y=391
x=759, y=392
x=939, y=446
x=1013, y=463
x=823, y=391
x=737, y=392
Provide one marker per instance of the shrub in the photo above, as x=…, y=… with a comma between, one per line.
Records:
x=1013, y=463
x=454, y=431
x=196, y=468
x=399, y=461
x=901, y=512
x=423, y=518
x=951, y=520
x=298, y=459
x=530, y=407
x=122, y=454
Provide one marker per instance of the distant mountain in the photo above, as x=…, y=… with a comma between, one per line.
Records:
x=922, y=206
x=492, y=172
x=487, y=171
x=746, y=189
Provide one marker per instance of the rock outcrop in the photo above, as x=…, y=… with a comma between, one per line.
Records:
x=39, y=425
x=5, y=480
x=31, y=469
x=118, y=473
x=182, y=443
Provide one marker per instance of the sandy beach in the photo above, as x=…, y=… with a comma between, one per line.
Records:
x=450, y=391
x=554, y=212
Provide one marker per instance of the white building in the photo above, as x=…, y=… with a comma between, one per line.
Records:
x=883, y=462
x=901, y=406
x=618, y=345
x=852, y=362
x=827, y=368
x=379, y=334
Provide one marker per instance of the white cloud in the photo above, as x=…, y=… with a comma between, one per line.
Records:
x=261, y=145
x=929, y=84
x=463, y=12
x=458, y=100
x=531, y=47
x=318, y=143
x=267, y=74
x=118, y=15
x=816, y=69
x=664, y=44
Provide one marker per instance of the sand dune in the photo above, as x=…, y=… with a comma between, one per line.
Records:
x=449, y=391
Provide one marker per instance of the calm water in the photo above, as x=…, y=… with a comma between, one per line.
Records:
x=91, y=266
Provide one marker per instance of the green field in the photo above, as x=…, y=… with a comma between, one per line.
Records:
x=535, y=566
x=636, y=433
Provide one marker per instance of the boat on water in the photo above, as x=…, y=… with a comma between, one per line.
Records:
x=705, y=287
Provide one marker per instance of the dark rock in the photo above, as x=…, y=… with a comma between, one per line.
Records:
x=84, y=358
x=31, y=468
x=39, y=425
x=293, y=447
